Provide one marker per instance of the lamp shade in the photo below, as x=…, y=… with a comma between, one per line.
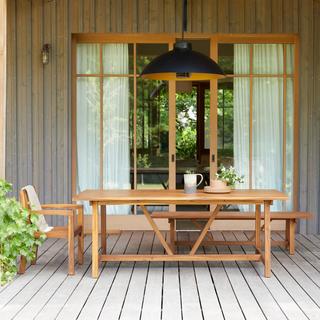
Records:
x=182, y=63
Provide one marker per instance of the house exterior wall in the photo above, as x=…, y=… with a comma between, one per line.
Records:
x=38, y=130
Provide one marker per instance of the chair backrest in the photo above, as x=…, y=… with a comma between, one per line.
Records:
x=30, y=200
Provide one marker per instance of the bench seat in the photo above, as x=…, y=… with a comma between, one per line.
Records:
x=229, y=215
x=290, y=218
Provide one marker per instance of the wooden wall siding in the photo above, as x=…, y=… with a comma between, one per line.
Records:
x=38, y=97
x=3, y=63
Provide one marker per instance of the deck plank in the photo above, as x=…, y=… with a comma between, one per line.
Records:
x=79, y=287
x=300, y=297
x=41, y=250
x=22, y=281
x=265, y=299
x=191, y=308
x=171, y=301
x=134, y=298
x=23, y=297
x=115, y=299
x=276, y=288
x=168, y=290
x=246, y=299
x=207, y=292
x=152, y=302
x=228, y=300
x=42, y=296
x=95, y=301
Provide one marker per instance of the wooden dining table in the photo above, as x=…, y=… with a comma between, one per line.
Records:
x=99, y=199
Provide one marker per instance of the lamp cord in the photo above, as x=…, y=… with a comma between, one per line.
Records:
x=184, y=17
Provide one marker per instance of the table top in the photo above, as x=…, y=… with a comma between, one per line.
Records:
x=178, y=196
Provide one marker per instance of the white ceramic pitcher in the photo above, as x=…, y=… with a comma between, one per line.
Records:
x=190, y=182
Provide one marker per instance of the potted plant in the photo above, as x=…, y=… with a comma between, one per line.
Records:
x=229, y=176
x=16, y=234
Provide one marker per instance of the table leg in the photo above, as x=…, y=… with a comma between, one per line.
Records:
x=172, y=223
x=267, y=240
x=103, y=229
x=205, y=230
x=258, y=226
x=95, y=240
x=156, y=230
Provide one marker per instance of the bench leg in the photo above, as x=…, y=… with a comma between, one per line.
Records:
x=172, y=223
x=292, y=230
x=258, y=228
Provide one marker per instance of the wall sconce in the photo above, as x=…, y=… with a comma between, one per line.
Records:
x=45, y=53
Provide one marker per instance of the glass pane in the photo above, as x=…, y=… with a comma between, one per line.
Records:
x=116, y=141
x=289, y=143
x=186, y=133
x=241, y=128
x=241, y=58
x=267, y=135
x=152, y=134
x=88, y=61
x=88, y=134
x=117, y=58
x=290, y=58
x=190, y=157
x=226, y=57
x=225, y=122
x=147, y=52
x=268, y=58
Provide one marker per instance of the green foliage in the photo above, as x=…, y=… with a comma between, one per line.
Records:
x=186, y=125
x=229, y=176
x=143, y=161
x=187, y=143
x=16, y=234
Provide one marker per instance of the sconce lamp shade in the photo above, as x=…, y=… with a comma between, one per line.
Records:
x=182, y=64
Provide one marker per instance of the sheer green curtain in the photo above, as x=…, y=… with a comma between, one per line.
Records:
x=116, y=159
x=267, y=119
x=88, y=119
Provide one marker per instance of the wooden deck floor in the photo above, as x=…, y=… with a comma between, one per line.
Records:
x=159, y=290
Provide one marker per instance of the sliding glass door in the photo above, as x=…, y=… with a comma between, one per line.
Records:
x=133, y=133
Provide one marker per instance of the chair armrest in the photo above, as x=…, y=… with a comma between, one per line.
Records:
x=54, y=212
x=62, y=206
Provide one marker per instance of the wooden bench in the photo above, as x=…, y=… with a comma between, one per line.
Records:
x=290, y=218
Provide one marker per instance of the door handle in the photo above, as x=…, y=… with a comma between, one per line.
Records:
x=172, y=158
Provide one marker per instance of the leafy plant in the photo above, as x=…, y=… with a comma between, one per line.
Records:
x=143, y=161
x=229, y=176
x=16, y=234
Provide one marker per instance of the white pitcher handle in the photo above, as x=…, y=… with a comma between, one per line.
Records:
x=199, y=174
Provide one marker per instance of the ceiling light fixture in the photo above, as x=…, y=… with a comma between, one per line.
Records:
x=182, y=63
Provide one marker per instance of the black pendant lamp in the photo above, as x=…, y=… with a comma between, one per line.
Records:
x=182, y=63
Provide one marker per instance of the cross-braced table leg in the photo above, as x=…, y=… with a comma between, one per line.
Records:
x=156, y=230
x=267, y=240
x=258, y=226
x=103, y=229
x=95, y=240
x=205, y=230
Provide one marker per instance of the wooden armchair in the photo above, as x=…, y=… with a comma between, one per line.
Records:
x=30, y=201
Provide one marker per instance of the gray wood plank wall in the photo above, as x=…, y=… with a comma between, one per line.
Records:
x=38, y=139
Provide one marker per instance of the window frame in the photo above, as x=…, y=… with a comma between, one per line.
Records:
x=170, y=38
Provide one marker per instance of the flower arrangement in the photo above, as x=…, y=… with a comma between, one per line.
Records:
x=229, y=176
x=16, y=234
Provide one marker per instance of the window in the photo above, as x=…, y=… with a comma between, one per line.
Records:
x=125, y=138
x=255, y=114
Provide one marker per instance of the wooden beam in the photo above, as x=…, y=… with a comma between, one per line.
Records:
x=3, y=76
x=180, y=257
